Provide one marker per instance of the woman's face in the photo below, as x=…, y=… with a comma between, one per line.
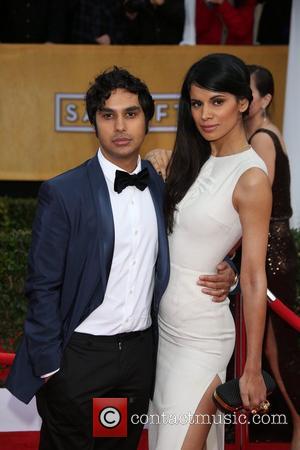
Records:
x=257, y=104
x=216, y=114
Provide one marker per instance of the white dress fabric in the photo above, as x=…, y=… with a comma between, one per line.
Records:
x=196, y=335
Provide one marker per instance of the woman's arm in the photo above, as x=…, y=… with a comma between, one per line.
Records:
x=264, y=147
x=252, y=199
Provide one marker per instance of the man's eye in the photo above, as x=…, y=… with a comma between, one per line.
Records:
x=131, y=114
x=107, y=116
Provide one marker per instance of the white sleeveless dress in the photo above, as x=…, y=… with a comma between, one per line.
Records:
x=196, y=335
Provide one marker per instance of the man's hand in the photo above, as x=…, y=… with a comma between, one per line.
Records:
x=219, y=284
x=103, y=40
x=47, y=376
x=46, y=379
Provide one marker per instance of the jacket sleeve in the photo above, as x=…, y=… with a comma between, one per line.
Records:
x=235, y=289
x=46, y=266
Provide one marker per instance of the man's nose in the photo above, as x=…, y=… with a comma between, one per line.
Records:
x=120, y=123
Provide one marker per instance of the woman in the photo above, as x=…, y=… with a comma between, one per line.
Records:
x=217, y=22
x=218, y=18
x=281, y=346
x=217, y=190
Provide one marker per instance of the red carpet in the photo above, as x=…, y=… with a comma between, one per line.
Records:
x=29, y=441
x=26, y=440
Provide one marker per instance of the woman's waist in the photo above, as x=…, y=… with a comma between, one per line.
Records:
x=182, y=270
x=183, y=283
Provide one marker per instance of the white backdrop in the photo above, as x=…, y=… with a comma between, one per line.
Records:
x=291, y=127
x=15, y=415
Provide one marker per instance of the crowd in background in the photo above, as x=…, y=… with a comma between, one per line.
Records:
x=145, y=22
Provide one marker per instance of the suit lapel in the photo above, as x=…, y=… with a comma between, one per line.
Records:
x=105, y=234
x=162, y=264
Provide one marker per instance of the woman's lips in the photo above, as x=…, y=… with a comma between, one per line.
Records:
x=208, y=128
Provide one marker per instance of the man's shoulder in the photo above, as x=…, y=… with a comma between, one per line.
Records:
x=69, y=185
x=71, y=180
x=153, y=174
x=70, y=176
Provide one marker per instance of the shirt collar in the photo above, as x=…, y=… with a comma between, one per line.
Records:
x=109, y=169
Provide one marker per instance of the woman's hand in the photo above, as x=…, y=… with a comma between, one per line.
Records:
x=253, y=390
x=159, y=159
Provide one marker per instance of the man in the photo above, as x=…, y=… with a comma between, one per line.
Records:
x=32, y=22
x=98, y=267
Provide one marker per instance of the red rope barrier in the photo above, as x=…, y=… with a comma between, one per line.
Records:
x=6, y=359
x=283, y=311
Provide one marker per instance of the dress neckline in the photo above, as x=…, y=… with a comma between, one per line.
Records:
x=232, y=154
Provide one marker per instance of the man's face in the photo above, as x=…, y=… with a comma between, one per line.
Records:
x=121, y=128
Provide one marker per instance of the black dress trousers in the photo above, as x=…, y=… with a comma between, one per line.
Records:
x=92, y=367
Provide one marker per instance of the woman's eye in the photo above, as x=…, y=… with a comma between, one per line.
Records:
x=196, y=105
x=218, y=101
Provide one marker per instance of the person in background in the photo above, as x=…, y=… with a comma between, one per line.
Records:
x=216, y=22
x=33, y=21
x=225, y=22
x=133, y=22
x=91, y=22
x=150, y=22
x=281, y=341
x=274, y=23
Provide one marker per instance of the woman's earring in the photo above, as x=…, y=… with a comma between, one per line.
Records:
x=264, y=114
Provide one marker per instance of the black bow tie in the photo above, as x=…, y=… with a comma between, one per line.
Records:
x=124, y=179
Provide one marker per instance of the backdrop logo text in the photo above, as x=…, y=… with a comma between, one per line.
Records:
x=71, y=116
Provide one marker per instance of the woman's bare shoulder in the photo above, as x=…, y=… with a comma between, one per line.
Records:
x=261, y=136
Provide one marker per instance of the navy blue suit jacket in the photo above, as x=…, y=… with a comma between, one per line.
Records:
x=69, y=264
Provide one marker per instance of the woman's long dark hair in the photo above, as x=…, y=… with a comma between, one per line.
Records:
x=216, y=72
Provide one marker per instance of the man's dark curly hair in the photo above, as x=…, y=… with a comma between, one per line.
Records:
x=117, y=78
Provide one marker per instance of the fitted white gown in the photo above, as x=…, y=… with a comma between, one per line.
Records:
x=196, y=335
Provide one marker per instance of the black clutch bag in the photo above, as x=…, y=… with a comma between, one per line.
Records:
x=227, y=396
